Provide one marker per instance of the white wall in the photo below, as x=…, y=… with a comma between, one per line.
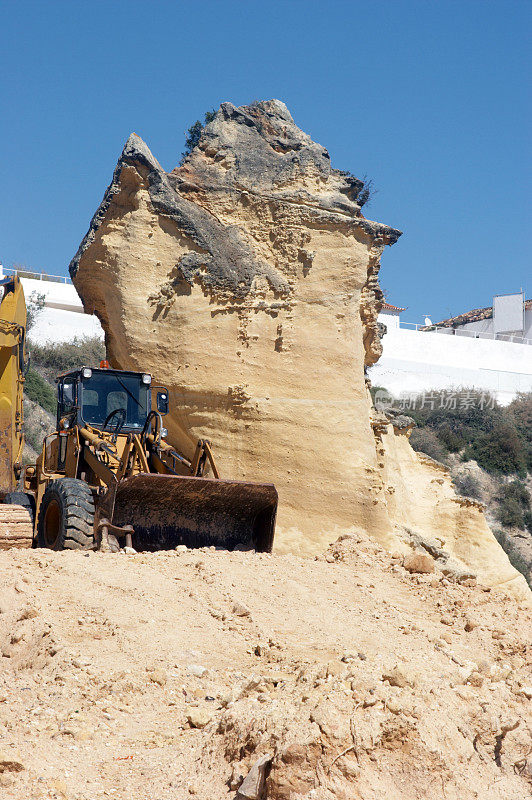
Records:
x=417, y=361
x=60, y=295
x=528, y=323
x=389, y=318
x=55, y=325
x=62, y=318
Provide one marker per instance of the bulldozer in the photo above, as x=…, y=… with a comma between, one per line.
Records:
x=107, y=478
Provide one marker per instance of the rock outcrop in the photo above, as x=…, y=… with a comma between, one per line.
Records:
x=246, y=280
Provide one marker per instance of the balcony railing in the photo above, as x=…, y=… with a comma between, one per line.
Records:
x=35, y=276
x=499, y=337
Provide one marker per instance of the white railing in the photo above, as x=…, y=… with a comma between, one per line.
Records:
x=413, y=325
x=35, y=276
x=499, y=337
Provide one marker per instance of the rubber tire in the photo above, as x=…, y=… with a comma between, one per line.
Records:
x=76, y=515
x=21, y=499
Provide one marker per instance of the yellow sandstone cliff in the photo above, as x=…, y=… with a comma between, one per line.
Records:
x=246, y=280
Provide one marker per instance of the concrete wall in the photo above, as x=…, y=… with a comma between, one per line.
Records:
x=62, y=318
x=417, y=361
x=389, y=318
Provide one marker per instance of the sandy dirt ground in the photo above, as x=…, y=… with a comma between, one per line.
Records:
x=168, y=676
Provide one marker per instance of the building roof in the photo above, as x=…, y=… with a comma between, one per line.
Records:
x=475, y=315
x=388, y=307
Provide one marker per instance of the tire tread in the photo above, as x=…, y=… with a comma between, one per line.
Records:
x=77, y=504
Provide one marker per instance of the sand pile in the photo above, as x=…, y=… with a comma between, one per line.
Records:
x=198, y=673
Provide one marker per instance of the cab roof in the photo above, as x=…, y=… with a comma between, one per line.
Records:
x=76, y=373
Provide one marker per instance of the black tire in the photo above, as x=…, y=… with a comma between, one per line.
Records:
x=66, y=516
x=21, y=499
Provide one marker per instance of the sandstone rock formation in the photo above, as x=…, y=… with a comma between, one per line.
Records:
x=246, y=280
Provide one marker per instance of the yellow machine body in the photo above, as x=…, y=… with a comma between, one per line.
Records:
x=13, y=361
x=145, y=494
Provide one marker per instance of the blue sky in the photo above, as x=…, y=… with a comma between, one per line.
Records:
x=429, y=99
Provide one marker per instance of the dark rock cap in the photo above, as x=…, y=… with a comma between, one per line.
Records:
x=252, y=149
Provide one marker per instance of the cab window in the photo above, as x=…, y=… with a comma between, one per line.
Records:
x=107, y=391
x=116, y=400
x=67, y=397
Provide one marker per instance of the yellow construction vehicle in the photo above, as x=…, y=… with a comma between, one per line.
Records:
x=107, y=477
x=16, y=528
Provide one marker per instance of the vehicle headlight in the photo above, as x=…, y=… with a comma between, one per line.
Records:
x=164, y=433
x=146, y=379
x=86, y=372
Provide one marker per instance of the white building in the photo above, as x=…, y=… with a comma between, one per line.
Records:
x=390, y=315
x=62, y=318
x=464, y=354
x=485, y=322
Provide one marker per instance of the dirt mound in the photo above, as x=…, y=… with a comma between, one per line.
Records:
x=221, y=675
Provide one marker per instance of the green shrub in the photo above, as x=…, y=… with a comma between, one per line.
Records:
x=39, y=391
x=513, y=505
x=499, y=439
x=374, y=389
x=515, y=554
x=53, y=359
x=520, y=410
x=451, y=441
x=457, y=427
x=34, y=306
x=510, y=514
x=518, y=491
x=499, y=450
x=424, y=440
x=468, y=485
x=359, y=190
x=193, y=135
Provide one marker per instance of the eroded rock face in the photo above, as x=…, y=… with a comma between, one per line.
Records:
x=246, y=280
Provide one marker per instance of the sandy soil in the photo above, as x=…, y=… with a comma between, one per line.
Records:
x=167, y=676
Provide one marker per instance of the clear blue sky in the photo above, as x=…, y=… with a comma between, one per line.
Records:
x=429, y=99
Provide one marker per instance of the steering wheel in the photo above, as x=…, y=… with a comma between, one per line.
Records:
x=119, y=422
x=147, y=427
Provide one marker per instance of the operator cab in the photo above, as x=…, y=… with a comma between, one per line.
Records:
x=106, y=399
